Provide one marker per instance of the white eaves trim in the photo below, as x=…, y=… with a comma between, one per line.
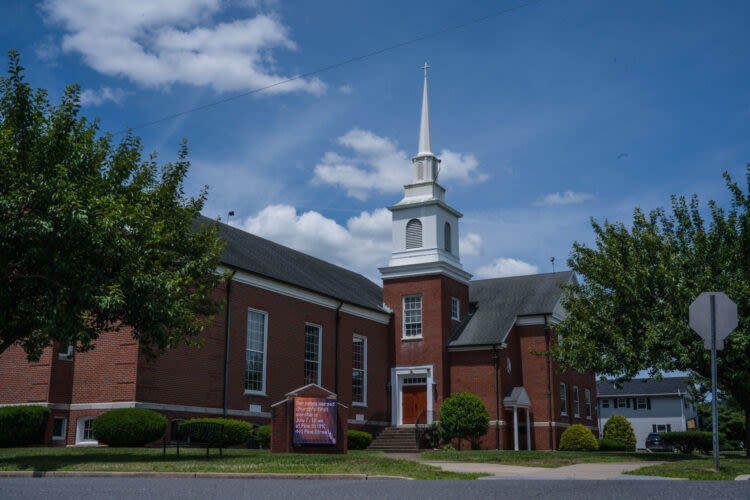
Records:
x=306, y=295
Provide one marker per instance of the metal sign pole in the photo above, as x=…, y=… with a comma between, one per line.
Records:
x=714, y=406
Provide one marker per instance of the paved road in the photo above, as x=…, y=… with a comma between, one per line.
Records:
x=185, y=489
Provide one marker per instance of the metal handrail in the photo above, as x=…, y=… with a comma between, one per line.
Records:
x=419, y=431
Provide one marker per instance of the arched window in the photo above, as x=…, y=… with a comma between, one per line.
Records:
x=447, y=234
x=413, y=234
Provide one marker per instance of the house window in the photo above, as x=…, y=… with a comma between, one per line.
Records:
x=312, y=354
x=563, y=400
x=413, y=234
x=413, y=316
x=359, y=370
x=576, y=406
x=621, y=402
x=605, y=403
x=255, y=352
x=84, y=431
x=662, y=428
x=59, y=428
x=587, y=395
x=455, y=309
x=642, y=404
x=447, y=235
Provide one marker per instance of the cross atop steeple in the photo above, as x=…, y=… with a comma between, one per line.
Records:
x=425, y=68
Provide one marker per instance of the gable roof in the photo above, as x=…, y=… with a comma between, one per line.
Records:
x=496, y=303
x=260, y=256
x=643, y=387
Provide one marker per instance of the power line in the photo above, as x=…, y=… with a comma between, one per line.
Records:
x=333, y=66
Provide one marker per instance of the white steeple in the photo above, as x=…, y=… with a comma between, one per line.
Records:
x=425, y=228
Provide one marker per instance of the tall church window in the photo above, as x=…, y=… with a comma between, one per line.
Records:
x=414, y=234
x=447, y=235
x=588, y=403
x=359, y=370
x=255, y=351
x=576, y=405
x=563, y=400
x=412, y=316
x=312, y=354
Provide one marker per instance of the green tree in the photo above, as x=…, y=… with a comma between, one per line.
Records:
x=731, y=420
x=630, y=310
x=463, y=416
x=93, y=238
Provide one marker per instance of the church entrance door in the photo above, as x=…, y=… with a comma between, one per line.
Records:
x=413, y=402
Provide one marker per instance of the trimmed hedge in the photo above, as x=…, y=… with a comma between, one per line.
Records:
x=578, y=438
x=22, y=425
x=358, y=440
x=689, y=441
x=619, y=429
x=263, y=436
x=610, y=445
x=235, y=431
x=128, y=427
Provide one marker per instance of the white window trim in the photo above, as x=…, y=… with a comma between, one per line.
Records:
x=362, y=403
x=262, y=392
x=576, y=402
x=320, y=351
x=457, y=317
x=403, y=317
x=638, y=403
x=587, y=403
x=605, y=402
x=79, y=432
x=624, y=405
x=563, y=397
x=64, y=429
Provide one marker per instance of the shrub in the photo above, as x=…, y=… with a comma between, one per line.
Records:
x=463, y=415
x=689, y=441
x=358, y=440
x=263, y=436
x=22, y=425
x=431, y=436
x=235, y=431
x=128, y=427
x=610, y=445
x=619, y=429
x=578, y=438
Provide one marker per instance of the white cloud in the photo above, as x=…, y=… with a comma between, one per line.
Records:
x=362, y=245
x=566, y=198
x=156, y=44
x=346, y=89
x=470, y=244
x=504, y=266
x=379, y=165
x=98, y=97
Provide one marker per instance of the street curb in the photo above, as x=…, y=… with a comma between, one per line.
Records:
x=197, y=475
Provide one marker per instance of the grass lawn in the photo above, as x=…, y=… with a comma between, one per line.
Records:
x=547, y=458
x=234, y=460
x=699, y=468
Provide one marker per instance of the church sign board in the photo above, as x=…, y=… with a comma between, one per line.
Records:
x=314, y=421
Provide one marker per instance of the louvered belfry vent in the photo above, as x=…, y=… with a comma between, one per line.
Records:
x=413, y=234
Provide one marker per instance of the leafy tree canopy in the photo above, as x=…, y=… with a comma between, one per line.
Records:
x=630, y=310
x=94, y=238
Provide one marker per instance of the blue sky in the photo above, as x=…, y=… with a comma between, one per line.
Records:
x=544, y=117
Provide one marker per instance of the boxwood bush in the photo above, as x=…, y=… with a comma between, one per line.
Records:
x=263, y=436
x=578, y=438
x=22, y=425
x=610, y=445
x=689, y=441
x=358, y=440
x=128, y=427
x=619, y=429
x=463, y=416
x=235, y=431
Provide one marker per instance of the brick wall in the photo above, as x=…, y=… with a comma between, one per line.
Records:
x=22, y=381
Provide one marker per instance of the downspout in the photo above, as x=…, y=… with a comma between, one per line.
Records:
x=496, y=359
x=336, y=364
x=226, y=342
x=547, y=332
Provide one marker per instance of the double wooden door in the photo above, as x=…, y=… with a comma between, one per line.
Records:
x=413, y=402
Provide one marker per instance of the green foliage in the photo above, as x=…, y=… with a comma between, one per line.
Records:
x=629, y=311
x=263, y=436
x=610, y=445
x=235, y=431
x=731, y=420
x=128, y=427
x=578, y=438
x=22, y=425
x=358, y=440
x=431, y=436
x=463, y=416
x=689, y=441
x=93, y=237
x=619, y=429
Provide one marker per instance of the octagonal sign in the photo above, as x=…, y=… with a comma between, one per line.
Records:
x=725, y=316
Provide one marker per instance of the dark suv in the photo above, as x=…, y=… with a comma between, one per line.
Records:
x=654, y=442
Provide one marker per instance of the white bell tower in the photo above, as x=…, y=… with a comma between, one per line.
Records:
x=425, y=228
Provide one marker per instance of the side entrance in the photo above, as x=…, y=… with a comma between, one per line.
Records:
x=412, y=394
x=413, y=402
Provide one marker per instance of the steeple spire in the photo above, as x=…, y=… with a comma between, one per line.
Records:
x=425, y=139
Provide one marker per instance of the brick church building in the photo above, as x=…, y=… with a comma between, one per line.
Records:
x=391, y=354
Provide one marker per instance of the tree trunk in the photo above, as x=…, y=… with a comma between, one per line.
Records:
x=747, y=429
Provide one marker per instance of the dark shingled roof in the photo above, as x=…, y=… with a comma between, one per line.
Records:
x=642, y=386
x=257, y=255
x=497, y=302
